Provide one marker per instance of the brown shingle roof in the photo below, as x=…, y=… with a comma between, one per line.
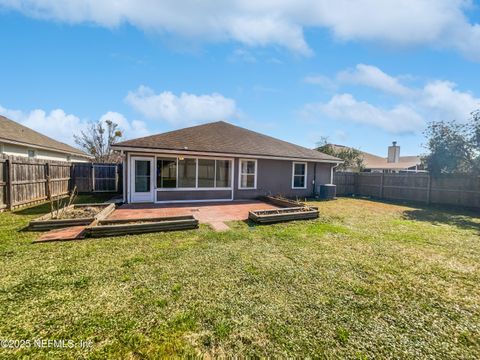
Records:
x=222, y=137
x=371, y=161
x=13, y=131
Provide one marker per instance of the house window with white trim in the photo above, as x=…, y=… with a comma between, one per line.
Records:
x=206, y=173
x=193, y=173
x=299, y=175
x=222, y=174
x=187, y=173
x=248, y=174
x=166, y=173
x=31, y=153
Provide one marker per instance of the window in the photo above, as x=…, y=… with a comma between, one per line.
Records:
x=166, y=172
x=31, y=153
x=69, y=157
x=223, y=172
x=206, y=173
x=248, y=174
x=299, y=176
x=193, y=173
x=142, y=176
x=187, y=173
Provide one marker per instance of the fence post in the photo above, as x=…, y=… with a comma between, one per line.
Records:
x=116, y=177
x=429, y=188
x=355, y=183
x=381, y=185
x=71, y=185
x=9, y=183
x=47, y=183
x=93, y=178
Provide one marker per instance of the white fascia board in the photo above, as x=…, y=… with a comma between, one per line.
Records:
x=187, y=153
x=34, y=146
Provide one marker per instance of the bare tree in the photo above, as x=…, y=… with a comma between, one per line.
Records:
x=98, y=139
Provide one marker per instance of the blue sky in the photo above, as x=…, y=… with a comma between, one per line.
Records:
x=289, y=69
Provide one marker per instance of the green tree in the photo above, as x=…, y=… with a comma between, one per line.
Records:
x=98, y=139
x=453, y=148
x=475, y=137
x=352, y=158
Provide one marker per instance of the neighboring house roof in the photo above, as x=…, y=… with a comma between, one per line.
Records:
x=224, y=138
x=371, y=161
x=13, y=132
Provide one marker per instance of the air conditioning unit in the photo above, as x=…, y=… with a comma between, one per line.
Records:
x=327, y=191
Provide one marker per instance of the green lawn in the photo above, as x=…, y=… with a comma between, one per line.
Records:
x=366, y=280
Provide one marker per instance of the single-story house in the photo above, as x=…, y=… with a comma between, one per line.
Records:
x=19, y=140
x=219, y=162
x=393, y=163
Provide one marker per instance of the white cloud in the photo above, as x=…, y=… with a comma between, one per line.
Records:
x=399, y=119
x=133, y=129
x=62, y=126
x=322, y=80
x=436, y=100
x=437, y=23
x=372, y=76
x=242, y=55
x=57, y=124
x=443, y=101
x=182, y=109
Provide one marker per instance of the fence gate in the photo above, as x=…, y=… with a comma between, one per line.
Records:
x=97, y=177
x=104, y=178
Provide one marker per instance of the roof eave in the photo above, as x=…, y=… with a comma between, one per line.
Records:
x=14, y=142
x=212, y=153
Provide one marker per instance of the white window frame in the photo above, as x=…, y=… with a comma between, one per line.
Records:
x=196, y=188
x=178, y=187
x=305, y=175
x=255, y=174
x=131, y=178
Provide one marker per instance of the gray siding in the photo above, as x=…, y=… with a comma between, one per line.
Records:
x=275, y=177
x=194, y=195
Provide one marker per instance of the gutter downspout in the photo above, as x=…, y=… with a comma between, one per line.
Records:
x=331, y=172
x=314, y=180
x=124, y=170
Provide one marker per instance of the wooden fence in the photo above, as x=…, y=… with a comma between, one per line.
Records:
x=25, y=181
x=97, y=177
x=457, y=190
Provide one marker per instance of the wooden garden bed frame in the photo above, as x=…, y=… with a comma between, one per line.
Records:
x=45, y=222
x=281, y=201
x=115, y=227
x=289, y=210
x=285, y=214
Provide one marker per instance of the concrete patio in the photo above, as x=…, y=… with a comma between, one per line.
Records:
x=214, y=214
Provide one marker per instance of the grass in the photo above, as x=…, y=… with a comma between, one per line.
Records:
x=366, y=280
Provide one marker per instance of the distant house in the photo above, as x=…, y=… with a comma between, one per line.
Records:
x=19, y=140
x=219, y=162
x=393, y=163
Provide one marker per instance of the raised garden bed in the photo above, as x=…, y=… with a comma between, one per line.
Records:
x=281, y=201
x=116, y=227
x=73, y=215
x=280, y=215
